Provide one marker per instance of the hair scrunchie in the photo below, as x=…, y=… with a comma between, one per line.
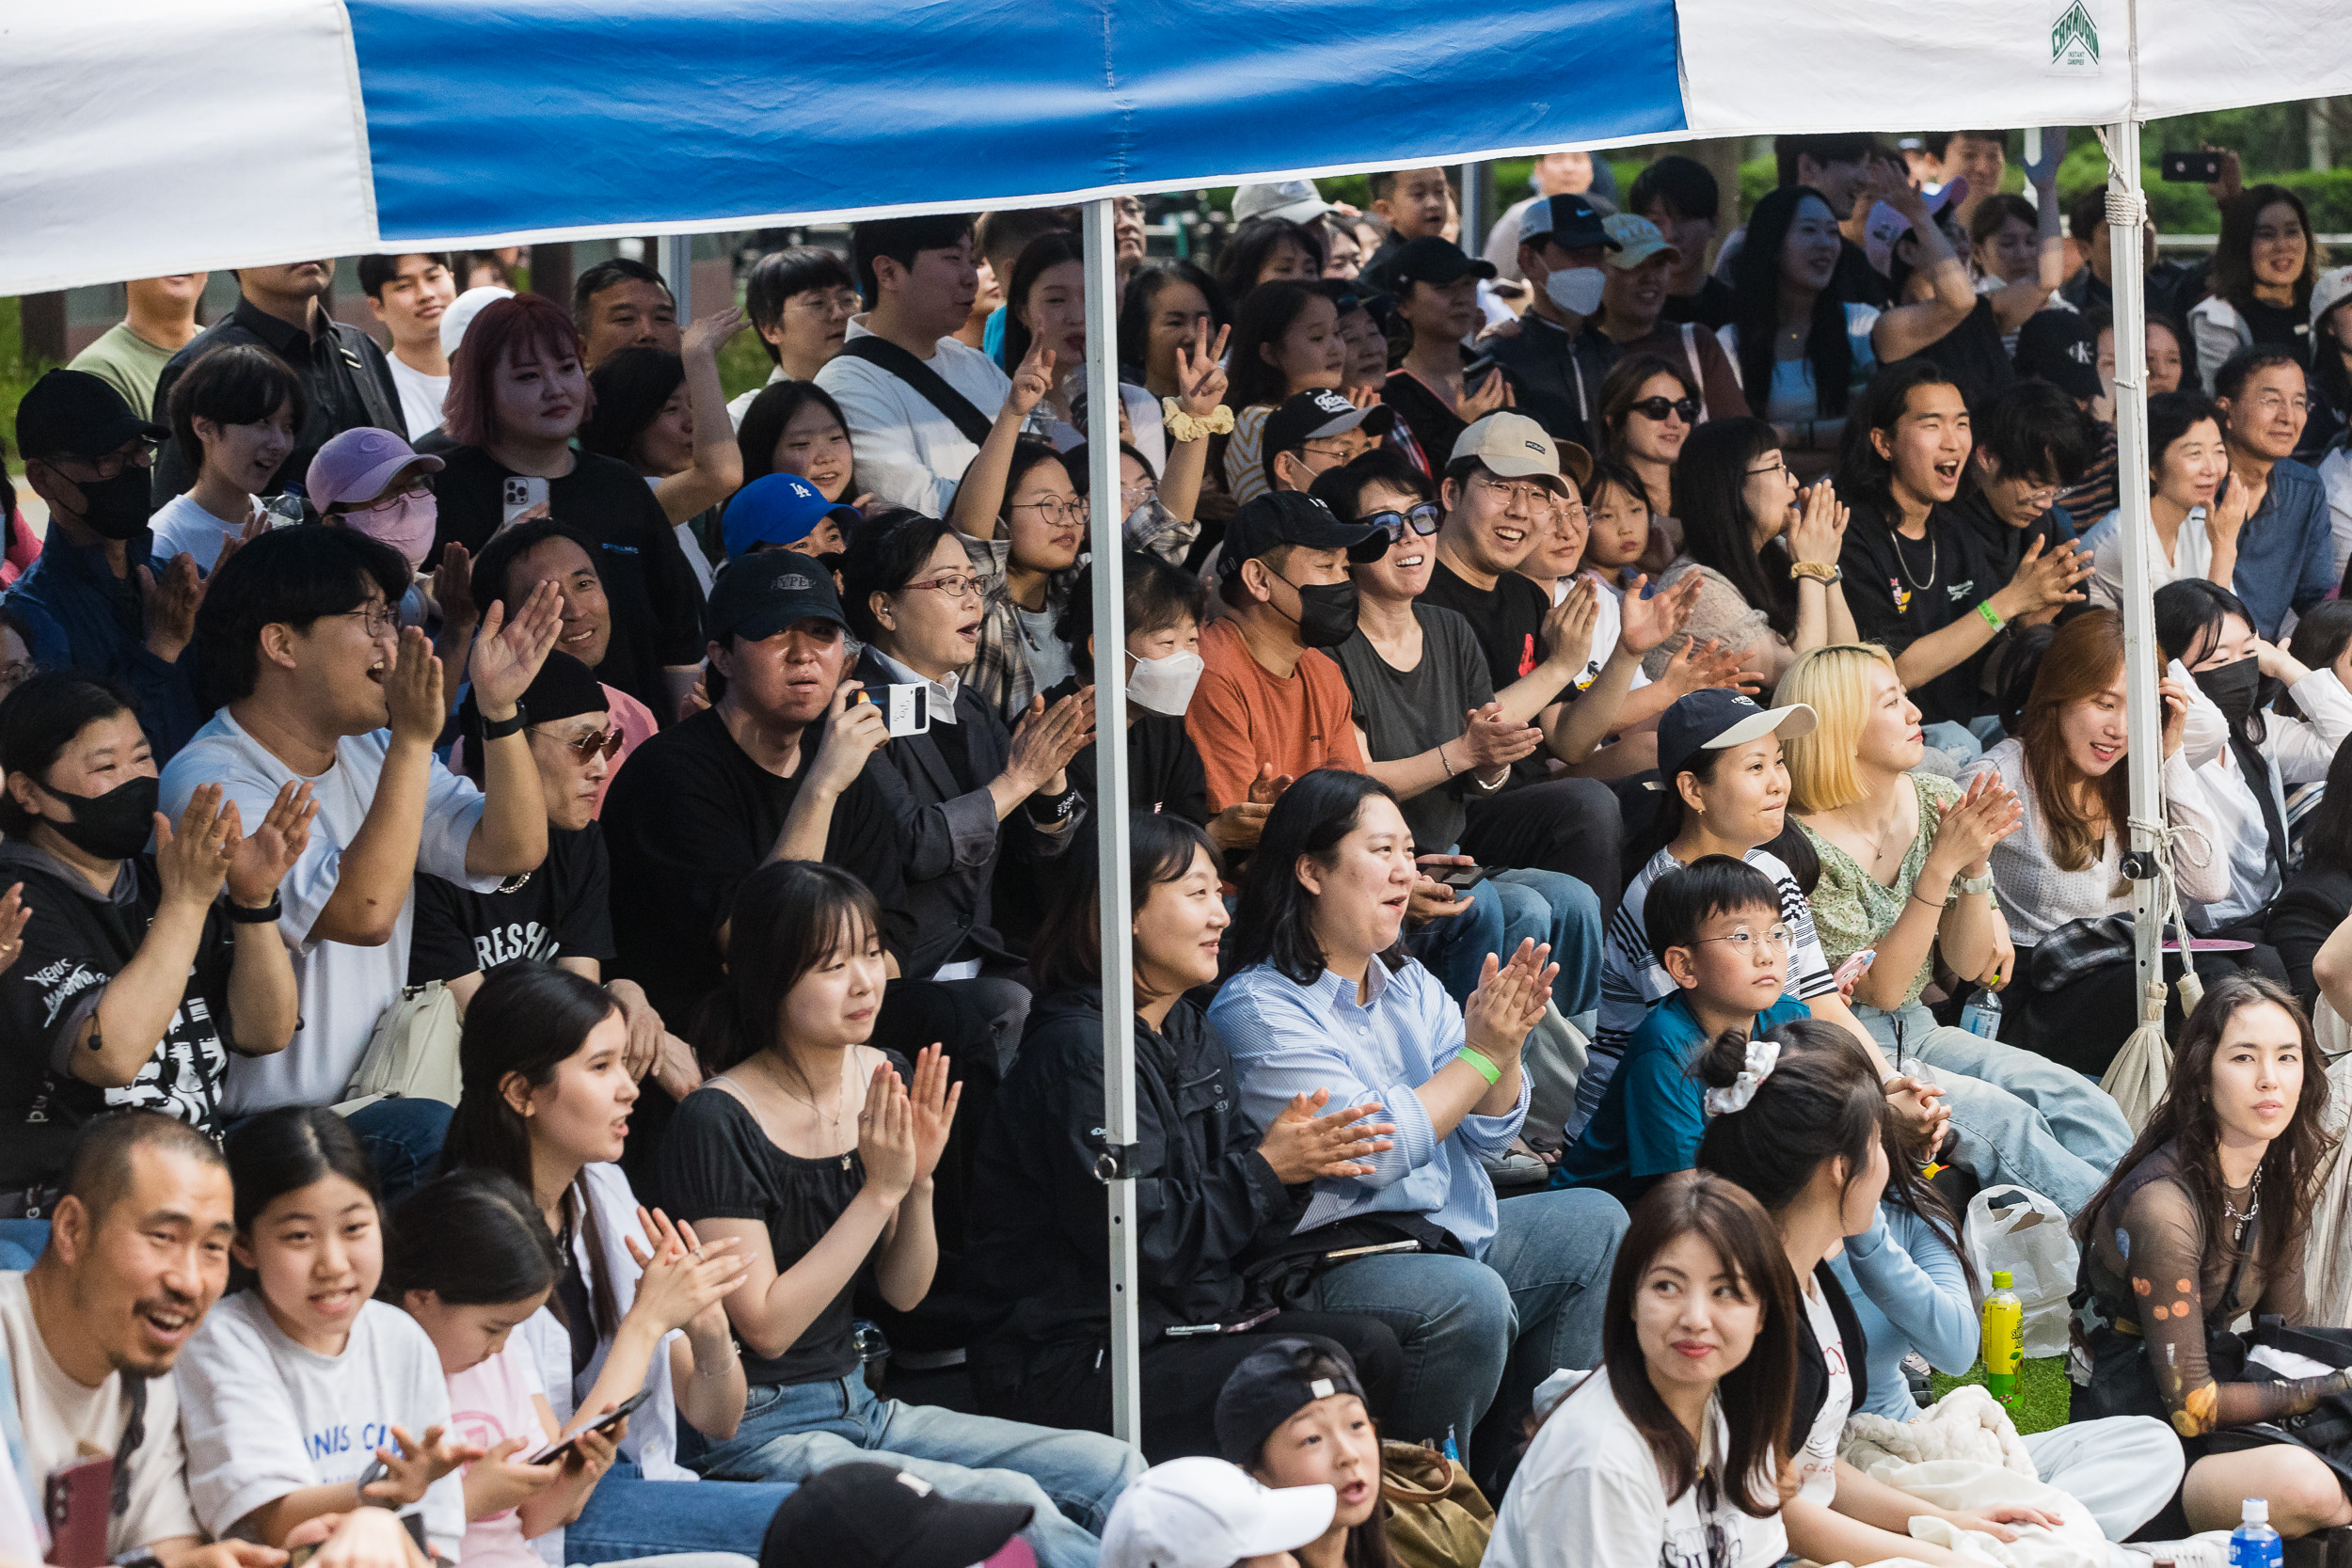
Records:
x=1762, y=1056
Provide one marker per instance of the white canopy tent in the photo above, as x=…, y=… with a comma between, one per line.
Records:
x=143, y=136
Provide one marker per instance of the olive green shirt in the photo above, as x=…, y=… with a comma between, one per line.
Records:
x=1852, y=908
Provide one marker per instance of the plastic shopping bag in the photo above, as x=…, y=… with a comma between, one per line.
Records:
x=2028, y=1238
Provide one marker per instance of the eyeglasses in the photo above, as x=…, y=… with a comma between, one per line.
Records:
x=1060, y=509
x=1745, y=942
x=586, y=746
x=1776, y=466
x=392, y=498
x=1422, y=519
x=380, y=619
x=139, y=455
x=1531, y=495
x=956, y=585
x=1337, y=453
x=1132, y=496
x=1658, y=408
x=16, y=674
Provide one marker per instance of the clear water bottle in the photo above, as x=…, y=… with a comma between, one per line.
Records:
x=2254, y=1544
x=1983, y=1016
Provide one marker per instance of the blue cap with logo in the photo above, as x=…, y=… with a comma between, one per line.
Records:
x=1714, y=718
x=778, y=508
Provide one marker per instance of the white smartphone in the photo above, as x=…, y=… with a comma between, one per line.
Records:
x=522, y=492
x=906, y=708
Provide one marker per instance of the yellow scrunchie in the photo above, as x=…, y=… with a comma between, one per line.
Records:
x=1184, y=427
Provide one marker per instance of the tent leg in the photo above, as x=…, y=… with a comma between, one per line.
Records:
x=1104, y=536
x=677, y=266
x=2142, y=659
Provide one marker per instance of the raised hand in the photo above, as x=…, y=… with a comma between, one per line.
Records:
x=259, y=864
x=192, y=862
x=1642, y=624
x=1493, y=393
x=885, y=1136
x=681, y=1276
x=452, y=588
x=1046, y=739
x=931, y=1102
x=508, y=653
x=2240, y=499
x=1201, y=374
x=1567, y=631
x=13, y=914
x=707, y=335
x=1031, y=379
x=2042, y=173
x=170, y=604
x=1508, y=1003
x=412, y=691
x=1306, y=1143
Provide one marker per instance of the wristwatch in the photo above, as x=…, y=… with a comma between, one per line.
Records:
x=1977, y=884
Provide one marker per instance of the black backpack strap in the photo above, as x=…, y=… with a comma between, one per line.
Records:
x=886, y=355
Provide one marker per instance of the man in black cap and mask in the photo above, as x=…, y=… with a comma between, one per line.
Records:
x=95, y=599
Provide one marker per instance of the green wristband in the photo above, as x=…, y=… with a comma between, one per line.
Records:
x=1992, y=616
x=1486, y=1070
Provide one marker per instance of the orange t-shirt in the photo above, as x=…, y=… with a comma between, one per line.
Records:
x=1243, y=716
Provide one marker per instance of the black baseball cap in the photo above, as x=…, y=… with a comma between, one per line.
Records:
x=1712, y=719
x=1433, y=260
x=73, y=414
x=1571, y=222
x=881, y=1516
x=2060, y=347
x=1291, y=517
x=1273, y=1385
x=1308, y=416
x=763, y=594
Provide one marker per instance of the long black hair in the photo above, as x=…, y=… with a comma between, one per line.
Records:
x=1142, y=297
x=1820, y=1101
x=789, y=916
x=1067, y=952
x=1710, y=501
x=763, y=424
x=1267, y=313
x=473, y=1238
x=631, y=386
x=1039, y=255
x=1238, y=264
x=1755, y=284
x=284, y=1152
x=1862, y=475
x=1274, y=921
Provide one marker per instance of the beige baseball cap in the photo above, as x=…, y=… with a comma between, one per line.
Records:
x=1515, y=447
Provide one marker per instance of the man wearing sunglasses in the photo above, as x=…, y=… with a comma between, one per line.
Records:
x=559, y=913
x=1633, y=301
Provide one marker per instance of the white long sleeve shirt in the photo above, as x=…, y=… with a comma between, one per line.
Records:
x=906, y=451
x=2298, y=752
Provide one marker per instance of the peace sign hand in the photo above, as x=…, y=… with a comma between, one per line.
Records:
x=1199, y=373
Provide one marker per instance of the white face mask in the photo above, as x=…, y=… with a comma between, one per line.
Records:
x=1164, y=686
x=1576, y=289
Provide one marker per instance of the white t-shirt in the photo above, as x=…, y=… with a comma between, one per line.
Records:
x=263, y=1416
x=344, y=990
x=183, y=527
x=489, y=1404
x=908, y=452
x=2105, y=541
x=1816, y=1463
x=57, y=1417
x=421, y=396
x=1608, y=625
x=1588, y=1491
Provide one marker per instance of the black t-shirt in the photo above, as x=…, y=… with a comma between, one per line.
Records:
x=2283, y=327
x=716, y=1164
x=1507, y=618
x=75, y=945
x=561, y=910
x=1434, y=425
x=1970, y=354
x=687, y=818
x=1711, y=307
x=657, y=603
x=1900, y=589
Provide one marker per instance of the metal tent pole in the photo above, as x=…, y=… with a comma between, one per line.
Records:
x=1105, y=536
x=674, y=260
x=2127, y=206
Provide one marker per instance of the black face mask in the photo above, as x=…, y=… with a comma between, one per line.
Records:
x=118, y=508
x=2236, y=690
x=1327, y=614
x=114, y=826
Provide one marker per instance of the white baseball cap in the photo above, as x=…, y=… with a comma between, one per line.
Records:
x=1201, y=1513
x=462, y=311
x=1296, y=199
x=2328, y=291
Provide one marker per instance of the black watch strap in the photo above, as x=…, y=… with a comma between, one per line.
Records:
x=266, y=915
x=499, y=729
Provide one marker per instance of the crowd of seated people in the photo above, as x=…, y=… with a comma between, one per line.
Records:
x=551, y=932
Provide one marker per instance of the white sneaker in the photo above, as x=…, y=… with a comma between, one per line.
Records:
x=2209, y=1549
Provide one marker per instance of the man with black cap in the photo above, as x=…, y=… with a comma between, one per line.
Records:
x=1270, y=696
x=880, y=1516
x=1556, y=366
x=1313, y=432
x=95, y=601
x=346, y=381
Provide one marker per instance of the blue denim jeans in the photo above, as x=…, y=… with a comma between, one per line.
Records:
x=1546, y=907
x=2020, y=1117
x=792, y=1431
x=21, y=1242
x=404, y=1140
x=628, y=1517
x=1480, y=1333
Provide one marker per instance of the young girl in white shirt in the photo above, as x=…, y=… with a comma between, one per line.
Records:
x=1671, y=1451
x=299, y=1383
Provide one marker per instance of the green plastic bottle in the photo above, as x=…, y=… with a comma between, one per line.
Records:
x=2004, y=1338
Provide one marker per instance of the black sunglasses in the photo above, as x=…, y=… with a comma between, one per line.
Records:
x=1658, y=408
x=1422, y=519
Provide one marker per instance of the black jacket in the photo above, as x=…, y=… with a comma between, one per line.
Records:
x=949, y=834
x=2312, y=903
x=347, y=384
x=1205, y=1198
x=1555, y=379
x=1813, y=1369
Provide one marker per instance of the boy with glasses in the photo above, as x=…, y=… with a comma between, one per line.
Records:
x=1313, y=433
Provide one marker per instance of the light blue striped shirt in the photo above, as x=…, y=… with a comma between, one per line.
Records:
x=1287, y=1040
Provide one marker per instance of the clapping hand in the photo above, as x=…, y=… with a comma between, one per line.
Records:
x=508, y=653
x=932, y=1100
x=260, y=860
x=1508, y=1003
x=1645, y=623
x=1986, y=814
x=1305, y=1143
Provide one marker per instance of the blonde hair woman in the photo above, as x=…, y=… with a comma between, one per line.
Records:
x=1905, y=872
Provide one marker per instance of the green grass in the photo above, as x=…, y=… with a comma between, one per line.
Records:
x=2044, y=1392
x=743, y=363
x=15, y=376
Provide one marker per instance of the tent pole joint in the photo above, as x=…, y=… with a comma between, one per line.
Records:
x=1119, y=1162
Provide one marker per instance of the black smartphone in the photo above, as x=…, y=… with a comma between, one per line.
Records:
x=557, y=1450
x=2191, y=168
x=1463, y=878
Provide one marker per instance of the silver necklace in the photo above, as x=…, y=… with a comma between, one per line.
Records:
x=840, y=1103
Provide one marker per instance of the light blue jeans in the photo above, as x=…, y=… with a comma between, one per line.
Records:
x=790, y=1432
x=627, y=1516
x=1545, y=906
x=2020, y=1117
x=1482, y=1332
